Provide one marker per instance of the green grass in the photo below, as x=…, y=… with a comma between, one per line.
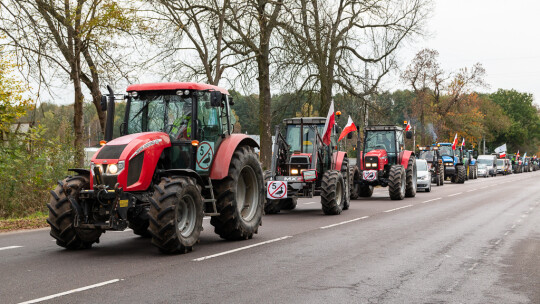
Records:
x=33, y=221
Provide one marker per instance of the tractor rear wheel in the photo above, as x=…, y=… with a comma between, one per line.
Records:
x=240, y=197
x=355, y=188
x=345, y=172
x=288, y=203
x=62, y=215
x=271, y=206
x=397, y=184
x=176, y=214
x=411, y=187
x=441, y=172
x=333, y=194
x=139, y=223
x=471, y=173
x=461, y=174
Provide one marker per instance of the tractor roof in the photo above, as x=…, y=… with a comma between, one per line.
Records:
x=305, y=120
x=383, y=128
x=175, y=86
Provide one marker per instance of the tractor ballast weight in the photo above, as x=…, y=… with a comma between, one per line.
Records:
x=304, y=166
x=454, y=168
x=176, y=162
x=435, y=163
x=383, y=161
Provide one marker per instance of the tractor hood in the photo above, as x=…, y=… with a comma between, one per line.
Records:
x=135, y=157
x=380, y=153
x=447, y=159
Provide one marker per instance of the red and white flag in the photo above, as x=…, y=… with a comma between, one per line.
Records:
x=503, y=154
x=329, y=124
x=408, y=127
x=350, y=127
x=517, y=154
x=463, y=142
x=455, y=143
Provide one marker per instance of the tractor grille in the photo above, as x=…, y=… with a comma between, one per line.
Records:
x=299, y=160
x=111, y=152
x=109, y=180
x=134, y=169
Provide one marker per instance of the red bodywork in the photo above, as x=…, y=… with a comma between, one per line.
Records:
x=404, y=156
x=223, y=156
x=382, y=158
x=339, y=157
x=174, y=86
x=159, y=140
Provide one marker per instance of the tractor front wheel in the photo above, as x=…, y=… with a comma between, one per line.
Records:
x=366, y=190
x=355, y=188
x=333, y=194
x=271, y=206
x=176, y=214
x=411, y=187
x=240, y=197
x=139, y=222
x=288, y=203
x=62, y=215
x=348, y=179
x=461, y=174
x=396, y=185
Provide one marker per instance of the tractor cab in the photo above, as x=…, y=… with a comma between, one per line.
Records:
x=382, y=143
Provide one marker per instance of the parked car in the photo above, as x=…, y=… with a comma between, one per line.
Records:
x=423, y=175
x=490, y=161
x=502, y=166
x=483, y=170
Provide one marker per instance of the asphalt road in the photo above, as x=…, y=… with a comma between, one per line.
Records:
x=472, y=243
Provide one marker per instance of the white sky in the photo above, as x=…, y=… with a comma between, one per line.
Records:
x=503, y=35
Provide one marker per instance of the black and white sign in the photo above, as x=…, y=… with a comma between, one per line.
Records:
x=276, y=190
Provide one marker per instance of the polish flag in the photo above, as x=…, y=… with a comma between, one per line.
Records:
x=455, y=143
x=463, y=142
x=503, y=154
x=329, y=124
x=350, y=127
x=517, y=154
x=408, y=127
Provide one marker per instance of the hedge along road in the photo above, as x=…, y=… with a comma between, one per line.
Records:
x=459, y=243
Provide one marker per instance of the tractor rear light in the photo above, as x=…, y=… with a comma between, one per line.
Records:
x=195, y=143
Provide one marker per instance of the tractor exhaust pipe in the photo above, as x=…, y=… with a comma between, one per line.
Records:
x=109, y=125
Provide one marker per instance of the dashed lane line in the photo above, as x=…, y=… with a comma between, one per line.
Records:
x=456, y=194
x=71, y=291
x=9, y=247
x=431, y=200
x=310, y=203
x=345, y=222
x=472, y=190
x=398, y=208
x=240, y=249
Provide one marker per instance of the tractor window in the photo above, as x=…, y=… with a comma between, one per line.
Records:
x=208, y=119
x=293, y=137
x=427, y=155
x=399, y=140
x=380, y=140
x=135, y=116
x=446, y=150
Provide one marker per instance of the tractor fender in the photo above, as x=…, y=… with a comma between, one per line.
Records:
x=405, y=156
x=183, y=172
x=339, y=157
x=224, y=154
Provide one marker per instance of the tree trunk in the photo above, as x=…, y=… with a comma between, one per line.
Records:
x=78, y=123
x=265, y=113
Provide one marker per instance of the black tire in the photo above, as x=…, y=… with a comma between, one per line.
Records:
x=366, y=190
x=410, y=190
x=461, y=174
x=176, y=214
x=62, y=215
x=442, y=174
x=467, y=172
x=471, y=172
x=270, y=206
x=139, y=223
x=288, y=203
x=475, y=172
x=355, y=188
x=348, y=180
x=333, y=192
x=240, y=197
x=428, y=189
x=397, y=184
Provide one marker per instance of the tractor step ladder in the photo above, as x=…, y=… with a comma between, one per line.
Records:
x=210, y=203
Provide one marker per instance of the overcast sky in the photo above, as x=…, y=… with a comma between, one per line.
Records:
x=504, y=36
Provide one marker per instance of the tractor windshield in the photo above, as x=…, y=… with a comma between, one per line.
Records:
x=446, y=150
x=427, y=155
x=384, y=140
x=294, y=138
x=167, y=113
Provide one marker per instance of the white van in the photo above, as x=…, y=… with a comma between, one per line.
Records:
x=490, y=161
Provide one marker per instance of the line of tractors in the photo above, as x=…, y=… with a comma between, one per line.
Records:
x=177, y=160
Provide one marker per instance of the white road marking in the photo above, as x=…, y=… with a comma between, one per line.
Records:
x=206, y=218
x=128, y=229
x=484, y=187
x=472, y=190
x=507, y=232
x=473, y=266
x=497, y=242
x=240, y=249
x=70, y=292
x=9, y=247
x=456, y=194
x=345, y=222
x=431, y=200
x=398, y=208
x=513, y=226
x=310, y=203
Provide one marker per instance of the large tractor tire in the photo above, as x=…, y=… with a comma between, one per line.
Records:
x=240, y=197
x=397, y=184
x=366, y=190
x=270, y=206
x=468, y=173
x=441, y=172
x=347, y=177
x=139, y=223
x=410, y=189
x=461, y=174
x=62, y=215
x=355, y=188
x=333, y=192
x=176, y=214
x=288, y=203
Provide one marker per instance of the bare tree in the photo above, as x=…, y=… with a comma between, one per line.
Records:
x=72, y=38
x=333, y=44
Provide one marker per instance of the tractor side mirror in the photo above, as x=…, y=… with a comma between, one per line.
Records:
x=215, y=98
x=408, y=134
x=231, y=101
x=103, y=103
x=349, y=135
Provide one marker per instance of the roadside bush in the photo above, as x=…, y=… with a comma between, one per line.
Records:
x=30, y=166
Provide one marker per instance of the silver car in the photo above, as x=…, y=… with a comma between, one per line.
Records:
x=423, y=175
x=483, y=170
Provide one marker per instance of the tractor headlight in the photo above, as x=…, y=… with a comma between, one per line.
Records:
x=371, y=165
x=115, y=168
x=294, y=171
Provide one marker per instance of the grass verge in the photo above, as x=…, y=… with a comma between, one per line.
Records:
x=36, y=220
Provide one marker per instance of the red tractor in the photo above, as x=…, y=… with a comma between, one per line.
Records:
x=175, y=162
x=383, y=161
x=303, y=166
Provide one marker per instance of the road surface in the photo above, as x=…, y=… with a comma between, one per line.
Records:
x=473, y=243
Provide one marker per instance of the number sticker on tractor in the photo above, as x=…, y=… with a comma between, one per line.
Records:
x=276, y=190
x=205, y=154
x=369, y=175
